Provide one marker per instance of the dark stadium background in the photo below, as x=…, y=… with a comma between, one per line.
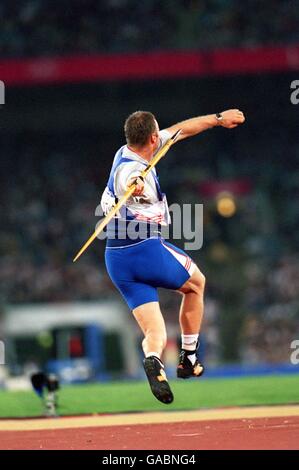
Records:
x=58, y=137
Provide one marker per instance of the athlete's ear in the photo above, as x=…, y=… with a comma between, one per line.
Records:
x=154, y=137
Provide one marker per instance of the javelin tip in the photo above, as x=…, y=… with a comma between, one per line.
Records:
x=77, y=256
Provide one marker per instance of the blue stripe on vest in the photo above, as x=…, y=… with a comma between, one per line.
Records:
x=119, y=159
x=116, y=228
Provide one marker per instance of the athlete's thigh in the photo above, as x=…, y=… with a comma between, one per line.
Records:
x=121, y=267
x=195, y=283
x=138, y=271
x=176, y=266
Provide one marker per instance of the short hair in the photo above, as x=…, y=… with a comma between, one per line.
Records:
x=139, y=126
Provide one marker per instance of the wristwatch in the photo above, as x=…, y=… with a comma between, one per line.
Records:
x=219, y=117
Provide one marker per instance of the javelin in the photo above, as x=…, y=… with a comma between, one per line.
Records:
x=129, y=192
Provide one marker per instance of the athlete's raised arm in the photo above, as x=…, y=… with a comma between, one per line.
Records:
x=190, y=127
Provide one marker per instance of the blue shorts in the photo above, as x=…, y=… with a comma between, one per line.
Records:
x=138, y=270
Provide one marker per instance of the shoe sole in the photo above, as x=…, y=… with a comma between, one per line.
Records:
x=161, y=390
x=188, y=373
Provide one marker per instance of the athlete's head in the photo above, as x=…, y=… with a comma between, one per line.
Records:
x=141, y=129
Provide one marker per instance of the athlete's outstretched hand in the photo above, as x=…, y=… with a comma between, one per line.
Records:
x=231, y=118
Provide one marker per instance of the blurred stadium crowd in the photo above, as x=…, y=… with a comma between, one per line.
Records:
x=49, y=27
x=50, y=187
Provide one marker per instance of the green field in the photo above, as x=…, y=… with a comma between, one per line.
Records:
x=136, y=396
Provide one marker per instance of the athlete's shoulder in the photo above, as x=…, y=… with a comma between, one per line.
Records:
x=164, y=135
x=128, y=162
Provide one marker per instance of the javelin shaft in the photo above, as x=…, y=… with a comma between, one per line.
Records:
x=128, y=193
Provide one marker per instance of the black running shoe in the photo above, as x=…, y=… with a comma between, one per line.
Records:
x=157, y=379
x=186, y=369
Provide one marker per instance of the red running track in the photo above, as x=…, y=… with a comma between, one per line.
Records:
x=258, y=433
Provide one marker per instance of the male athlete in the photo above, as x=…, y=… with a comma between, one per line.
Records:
x=138, y=265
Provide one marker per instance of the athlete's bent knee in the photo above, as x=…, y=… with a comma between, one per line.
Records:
x=201, y=280
x=196, y=283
